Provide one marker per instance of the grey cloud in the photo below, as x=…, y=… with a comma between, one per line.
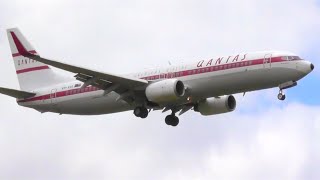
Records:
x=257, y=146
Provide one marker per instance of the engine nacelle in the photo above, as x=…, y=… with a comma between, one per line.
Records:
x=165, y=91
x=219, y=105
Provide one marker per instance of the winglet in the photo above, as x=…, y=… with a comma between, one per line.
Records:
x=21, y=49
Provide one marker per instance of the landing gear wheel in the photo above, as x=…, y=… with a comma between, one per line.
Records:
x=141, y=112
x=172, y=120
x=137, y=111
x=175, y=121
x=144, y=113
x=168, y=120
x=281, y=96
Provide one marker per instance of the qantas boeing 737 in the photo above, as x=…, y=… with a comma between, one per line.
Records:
x=205, y=86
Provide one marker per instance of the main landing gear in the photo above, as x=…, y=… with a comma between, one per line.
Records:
x=141, y=112
x=172, y=120
x=281, y=95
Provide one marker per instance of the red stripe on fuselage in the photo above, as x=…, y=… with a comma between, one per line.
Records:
x=184, y=73
x=32, y=69
x=62, y=94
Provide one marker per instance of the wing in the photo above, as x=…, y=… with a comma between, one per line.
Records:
x=175, y=108
x=85, y=73
x=126, y=87
x=16, y=93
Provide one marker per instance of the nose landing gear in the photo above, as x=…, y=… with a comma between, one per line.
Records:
x=281, y=95
x=286, y=85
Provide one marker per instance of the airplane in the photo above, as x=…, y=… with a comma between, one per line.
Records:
x=205, y=86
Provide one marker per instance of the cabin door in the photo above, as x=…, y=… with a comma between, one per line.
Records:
x=53, y=96
x=163, y=76
x=267, y=61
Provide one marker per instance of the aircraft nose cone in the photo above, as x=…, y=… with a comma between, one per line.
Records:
x=312, y=67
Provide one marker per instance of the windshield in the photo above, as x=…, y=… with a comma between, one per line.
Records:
x=290, y=58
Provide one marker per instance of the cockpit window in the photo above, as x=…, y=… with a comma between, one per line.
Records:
x=296, y=58
x=290, y=58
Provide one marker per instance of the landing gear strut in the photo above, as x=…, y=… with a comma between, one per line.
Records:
x=141, y=112
x=172, y=120
x=281, y=95
x=286, y=85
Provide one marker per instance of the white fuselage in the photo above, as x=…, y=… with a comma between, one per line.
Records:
x=206, y=78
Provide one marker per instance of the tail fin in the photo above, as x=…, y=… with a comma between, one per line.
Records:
x=31, y=74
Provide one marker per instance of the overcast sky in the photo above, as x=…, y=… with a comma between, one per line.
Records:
x=262, y=139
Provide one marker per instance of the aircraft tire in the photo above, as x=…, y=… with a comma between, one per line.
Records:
x=141, y=112
x=144, y=113
x=281, y=96
x=172, y=120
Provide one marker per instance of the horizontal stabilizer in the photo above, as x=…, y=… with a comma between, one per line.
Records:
x=16, y=93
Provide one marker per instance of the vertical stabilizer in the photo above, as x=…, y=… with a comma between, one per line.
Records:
x=31, y=74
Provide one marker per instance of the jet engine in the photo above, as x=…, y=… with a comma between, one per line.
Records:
x=217, y=105
x=165, y=91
